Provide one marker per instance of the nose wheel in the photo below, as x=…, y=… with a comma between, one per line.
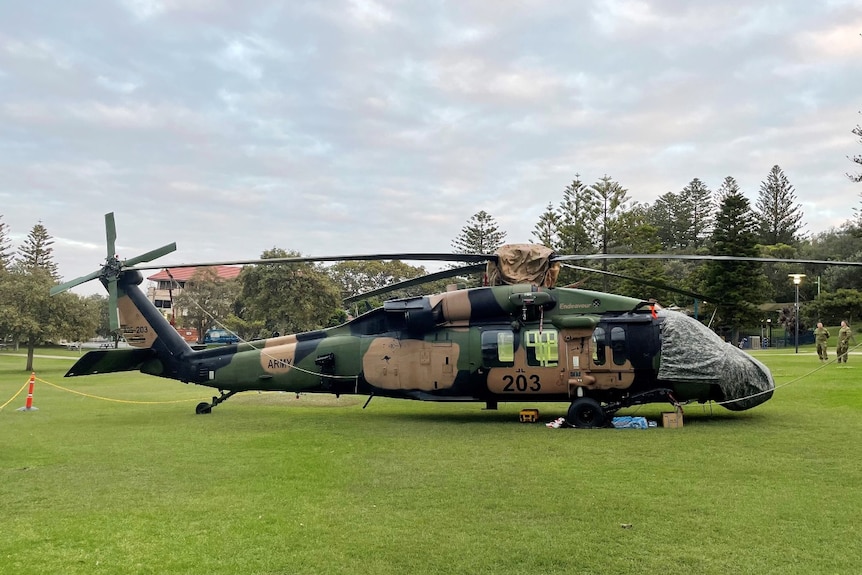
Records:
x=204, y=407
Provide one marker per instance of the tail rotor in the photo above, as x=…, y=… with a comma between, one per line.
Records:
x=112, y=271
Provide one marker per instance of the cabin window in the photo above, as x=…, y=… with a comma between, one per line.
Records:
x=599, y=357
x=618, y=345
x=542, y=347
x=498, y=348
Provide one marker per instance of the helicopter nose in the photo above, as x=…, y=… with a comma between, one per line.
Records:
x=691, y=352
x=747, y=382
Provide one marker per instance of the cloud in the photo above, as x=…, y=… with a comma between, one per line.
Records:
x=385, y=125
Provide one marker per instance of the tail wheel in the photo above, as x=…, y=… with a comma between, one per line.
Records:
x=586, y=413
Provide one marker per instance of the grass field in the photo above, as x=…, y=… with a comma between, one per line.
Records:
x=272, y=484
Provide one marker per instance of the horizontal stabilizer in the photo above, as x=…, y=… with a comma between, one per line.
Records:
x=110, y=360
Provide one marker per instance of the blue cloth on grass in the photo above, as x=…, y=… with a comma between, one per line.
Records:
x=628, y=422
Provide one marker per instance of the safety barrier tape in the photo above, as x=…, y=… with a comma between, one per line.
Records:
x=11, y=399
x=91, y=396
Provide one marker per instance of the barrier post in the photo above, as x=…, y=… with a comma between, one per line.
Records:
x=28, y=405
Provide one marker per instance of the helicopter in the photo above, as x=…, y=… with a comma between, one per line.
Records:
x=517, y=339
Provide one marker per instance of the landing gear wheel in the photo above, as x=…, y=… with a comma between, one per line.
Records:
x=586, y=413
x=205, y=407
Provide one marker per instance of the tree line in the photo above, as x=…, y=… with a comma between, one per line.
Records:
x=601, y=218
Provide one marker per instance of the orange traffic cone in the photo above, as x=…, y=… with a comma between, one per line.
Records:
x=28, y=406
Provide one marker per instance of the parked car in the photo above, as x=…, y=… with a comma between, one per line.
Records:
x=220, y=336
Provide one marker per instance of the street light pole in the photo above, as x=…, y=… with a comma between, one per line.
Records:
x=797, y=279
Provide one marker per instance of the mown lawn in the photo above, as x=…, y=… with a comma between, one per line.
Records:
x=272, y=484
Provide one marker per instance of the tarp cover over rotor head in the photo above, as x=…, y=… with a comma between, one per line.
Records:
x=523, y=264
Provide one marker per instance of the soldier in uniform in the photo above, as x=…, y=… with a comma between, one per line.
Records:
x=821, y=338
x=844, y=335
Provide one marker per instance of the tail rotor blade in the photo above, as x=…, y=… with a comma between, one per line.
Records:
x=111, y=234
x=70, y=284
x=151, y=255
x=113, y=310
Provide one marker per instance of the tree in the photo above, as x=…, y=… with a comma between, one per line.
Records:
x=578, y=212
x=207, y=299
x=831, y=308
x=547, y=228
x=481, y=235
x=288, y=298
x=780, y=217
x=728, y=187
x=843, y=243
x=857, y=177
x=29, y=312
x=695, y=201
x=6, y=253
x=777, y=274
x=612, y=198
x=36, y=252
x=671, y=221
x=735, y=286
x=637, y=236
x=100, y=303
x=358, y=277
x=857, y=131
x=31, y=315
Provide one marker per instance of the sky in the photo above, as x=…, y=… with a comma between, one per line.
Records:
x=375, y=126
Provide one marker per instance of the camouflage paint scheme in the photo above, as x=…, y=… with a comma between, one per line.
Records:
x=489, y=344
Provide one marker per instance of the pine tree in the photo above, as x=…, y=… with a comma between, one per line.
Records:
x=612, y=198
x=5, y=246
x=36, y=252
x=779, y=215
x=547, y=228
x=578, y=213
x=481, y=235
x=728, y=187
x=696, y=201
x=857, y=177
x=734, y=285
x=670, y=221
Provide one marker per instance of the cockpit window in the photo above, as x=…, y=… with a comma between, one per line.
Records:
x=542, y=347
x=618, y=344
x=498, y=348
x=599, y=346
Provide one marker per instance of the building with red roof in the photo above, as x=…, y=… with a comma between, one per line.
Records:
x=171, y=281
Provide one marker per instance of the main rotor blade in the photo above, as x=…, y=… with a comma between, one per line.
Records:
x=642, y=281
x=438, y=257
x=111, y=234
x=151, y=255
x=70, y=284
x=417, y=281
x=564, y=258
